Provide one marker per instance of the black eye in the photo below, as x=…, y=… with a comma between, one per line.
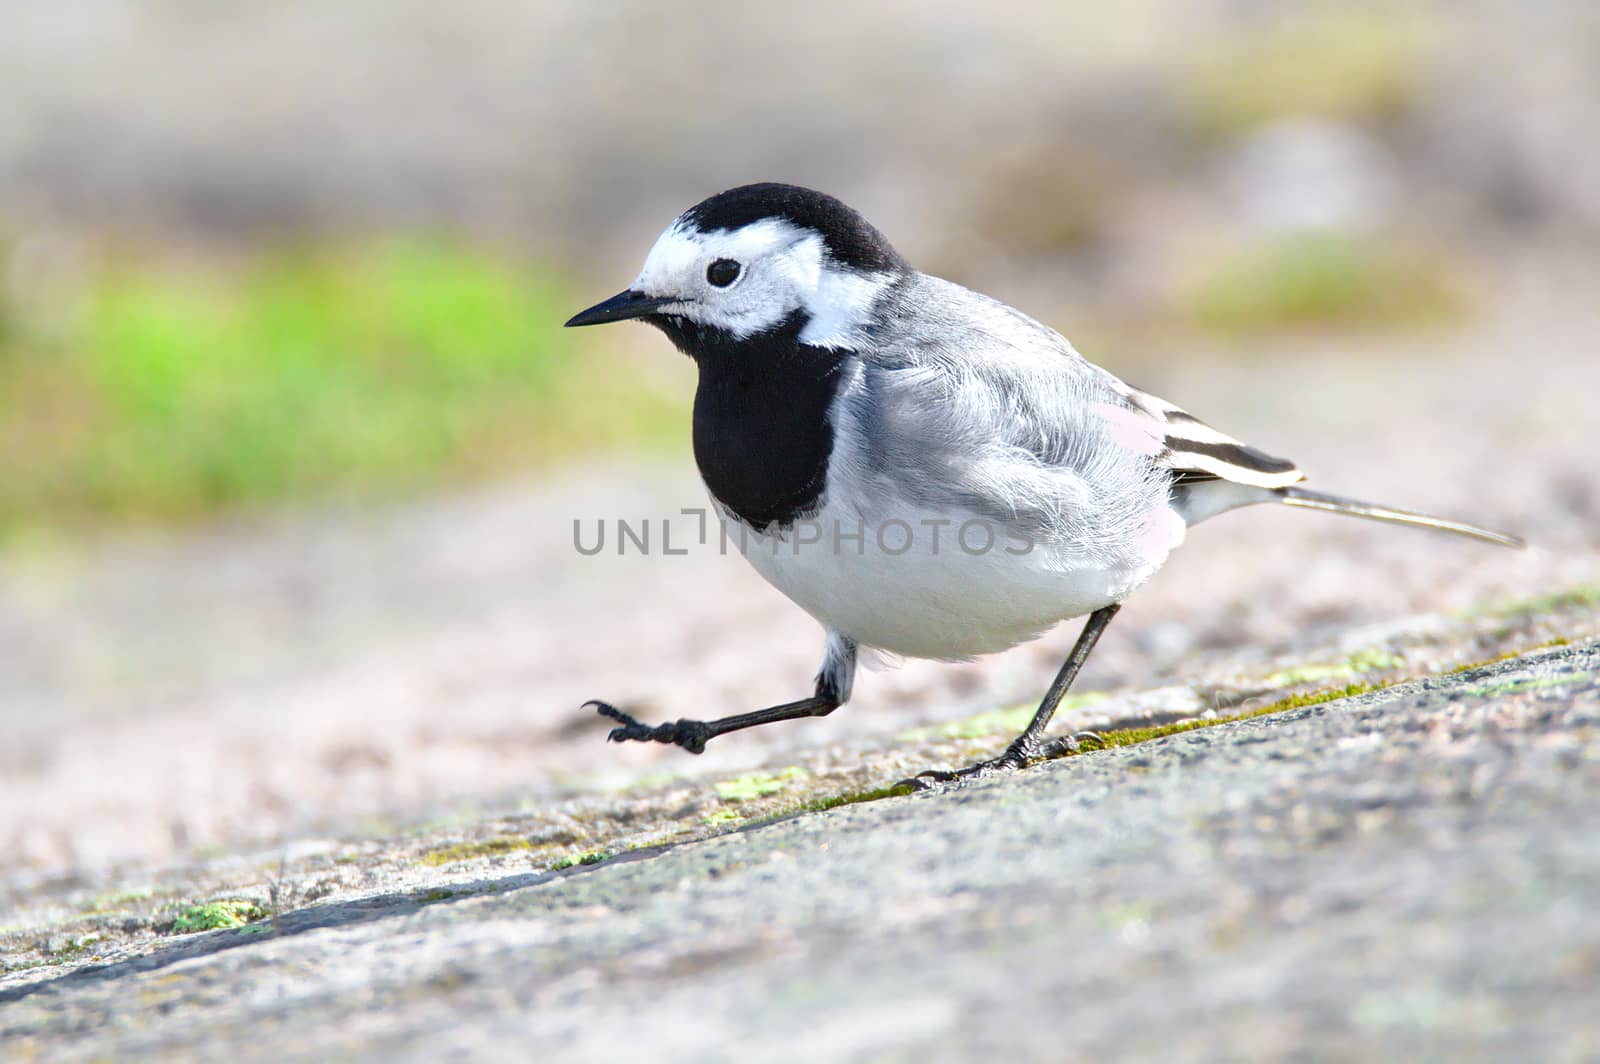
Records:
x=723, y=272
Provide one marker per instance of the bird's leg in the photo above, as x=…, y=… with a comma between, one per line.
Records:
x=1030, y=747
x=692, y=735
x=833, y=689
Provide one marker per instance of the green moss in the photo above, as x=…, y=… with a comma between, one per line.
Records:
x=217, y=914
x=593, y=857
x=722, y=816
x=757, y=784
x=74, y=946
x=1134, y=736
x=498, y=846
x=10, y=967
x=818, y=805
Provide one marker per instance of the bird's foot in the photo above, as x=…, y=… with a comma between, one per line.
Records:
x=689, y=734
x=1018, y=756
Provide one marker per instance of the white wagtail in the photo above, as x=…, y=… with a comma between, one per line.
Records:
x=842, y=388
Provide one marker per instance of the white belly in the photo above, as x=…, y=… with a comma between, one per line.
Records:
x=946, y=585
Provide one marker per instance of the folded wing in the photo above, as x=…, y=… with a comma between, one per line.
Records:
x=1196, y=452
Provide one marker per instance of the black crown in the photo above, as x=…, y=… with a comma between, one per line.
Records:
x=850, y=239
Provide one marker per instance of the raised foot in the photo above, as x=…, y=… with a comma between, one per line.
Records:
x=689, y=734
x=1016, y=757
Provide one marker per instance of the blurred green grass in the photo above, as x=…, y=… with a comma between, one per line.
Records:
x=1323, y=278
x=1349, y=64
x=161, y=393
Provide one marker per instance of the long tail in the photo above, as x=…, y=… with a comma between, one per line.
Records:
x=1316, y=500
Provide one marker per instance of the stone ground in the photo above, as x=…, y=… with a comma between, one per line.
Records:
x=1409, y=872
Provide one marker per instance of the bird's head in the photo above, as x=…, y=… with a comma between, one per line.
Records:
x=758, y=258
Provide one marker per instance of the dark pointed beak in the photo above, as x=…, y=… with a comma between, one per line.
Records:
x=620, y=307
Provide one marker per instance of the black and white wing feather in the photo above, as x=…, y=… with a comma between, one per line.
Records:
x=1196, y=452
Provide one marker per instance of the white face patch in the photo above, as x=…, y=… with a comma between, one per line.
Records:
x=841, y=307
x=783, y=268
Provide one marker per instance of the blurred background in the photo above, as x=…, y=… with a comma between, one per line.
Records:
x=292, y=443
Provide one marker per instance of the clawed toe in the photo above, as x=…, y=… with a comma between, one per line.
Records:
x=927, y=781
x=1076, y=743
x=689, y=734
x=631, y=729
x=606, y=709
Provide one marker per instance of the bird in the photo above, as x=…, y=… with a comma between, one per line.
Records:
x=849, y=409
